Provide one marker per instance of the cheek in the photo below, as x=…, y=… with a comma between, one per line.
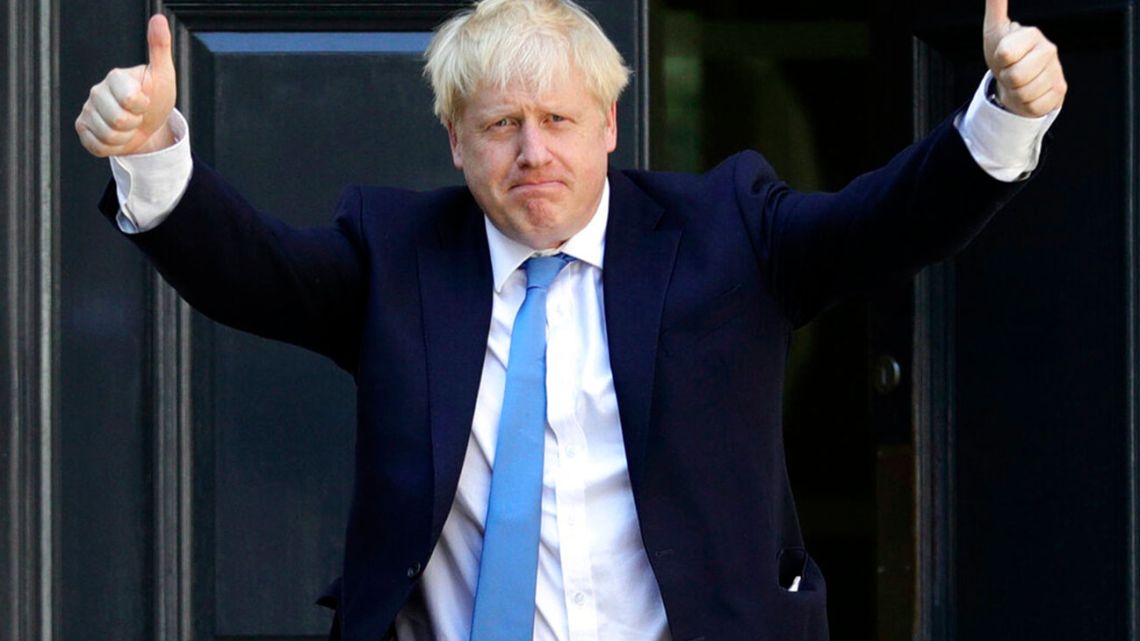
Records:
x=496, y=175
x=480, y=179
x=485, y=185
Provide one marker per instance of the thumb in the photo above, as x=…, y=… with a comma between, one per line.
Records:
x=997, y=16
x=158, y=41
x=158, y=84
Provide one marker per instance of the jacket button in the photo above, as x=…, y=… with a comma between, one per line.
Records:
x=414, y=570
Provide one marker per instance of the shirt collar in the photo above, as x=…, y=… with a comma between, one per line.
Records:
x=588, y=245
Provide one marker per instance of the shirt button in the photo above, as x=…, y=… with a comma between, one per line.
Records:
x=571, y=451
x=579, y=598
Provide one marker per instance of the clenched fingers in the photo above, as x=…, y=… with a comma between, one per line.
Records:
x=1015, y=44
x=1035, y=95
x=126, y=87
x=105, y=131
x=1028, y=71
x=1036, y=63
x=103, y=146
x=113, y=112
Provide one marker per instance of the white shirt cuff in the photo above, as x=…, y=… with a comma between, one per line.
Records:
x=1005, y=145
x=150, y=185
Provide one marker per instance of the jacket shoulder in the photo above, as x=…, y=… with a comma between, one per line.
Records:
x=404, y=214
x=395, y=202
x=745, y=170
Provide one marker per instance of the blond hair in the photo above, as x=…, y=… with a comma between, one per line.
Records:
x=496, y=43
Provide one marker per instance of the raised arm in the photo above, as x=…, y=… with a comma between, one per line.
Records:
x=232, y=262
x=931, y=199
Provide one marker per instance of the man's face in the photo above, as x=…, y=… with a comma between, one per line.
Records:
x=536, y=163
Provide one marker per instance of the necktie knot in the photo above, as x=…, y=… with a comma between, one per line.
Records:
x=541, y=270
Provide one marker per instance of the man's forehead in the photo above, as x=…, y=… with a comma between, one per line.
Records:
x=565, y=90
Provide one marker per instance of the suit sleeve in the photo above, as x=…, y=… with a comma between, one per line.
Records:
x=253, y=272
x=814, y=249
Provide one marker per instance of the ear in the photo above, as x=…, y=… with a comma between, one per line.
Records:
x=453, y=139
x=611, y=128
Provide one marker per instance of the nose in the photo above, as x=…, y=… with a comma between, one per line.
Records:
x=534, y=150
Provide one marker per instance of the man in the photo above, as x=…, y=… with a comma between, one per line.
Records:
x=569, y=378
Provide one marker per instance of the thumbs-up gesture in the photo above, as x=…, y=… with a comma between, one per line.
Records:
x=1030, y=81
x=126, y=113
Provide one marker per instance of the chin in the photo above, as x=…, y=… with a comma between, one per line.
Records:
x=545, y=239
x=543, y=223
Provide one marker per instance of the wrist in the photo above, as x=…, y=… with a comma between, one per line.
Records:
x=993, y=96
x=159, y=140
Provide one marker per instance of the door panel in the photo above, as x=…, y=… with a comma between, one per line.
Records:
x=1041, y=316
x=290, y=119
x=1030, y=511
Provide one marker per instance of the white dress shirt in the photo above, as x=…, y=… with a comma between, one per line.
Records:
x=594, y=579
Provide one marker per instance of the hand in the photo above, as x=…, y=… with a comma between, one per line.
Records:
x=126, y=113
x=1030, y=81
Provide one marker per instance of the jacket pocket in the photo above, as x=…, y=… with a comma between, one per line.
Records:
x=795, y=562
x=330, y=598
x=802, y=614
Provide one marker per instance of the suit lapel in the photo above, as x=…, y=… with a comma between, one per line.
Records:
x=456, y=288
x=640, y=249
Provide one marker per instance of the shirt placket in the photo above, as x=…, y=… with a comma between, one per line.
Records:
x=572, y=468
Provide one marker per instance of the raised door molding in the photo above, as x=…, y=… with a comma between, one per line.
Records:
x=28, y=327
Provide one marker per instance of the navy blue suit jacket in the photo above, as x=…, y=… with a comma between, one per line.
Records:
x=705, y=277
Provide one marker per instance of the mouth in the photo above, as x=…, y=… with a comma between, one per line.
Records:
x=536, y=185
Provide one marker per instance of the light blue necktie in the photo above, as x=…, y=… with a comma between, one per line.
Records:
x=504, y=597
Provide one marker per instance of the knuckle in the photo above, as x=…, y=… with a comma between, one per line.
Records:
x=138, y=102
x=1004, y=55
x=89, y=143
x=120, y=122
x=1015, y=78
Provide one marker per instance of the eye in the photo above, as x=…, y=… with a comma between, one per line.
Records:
x=502, y=122
x=557, y=118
